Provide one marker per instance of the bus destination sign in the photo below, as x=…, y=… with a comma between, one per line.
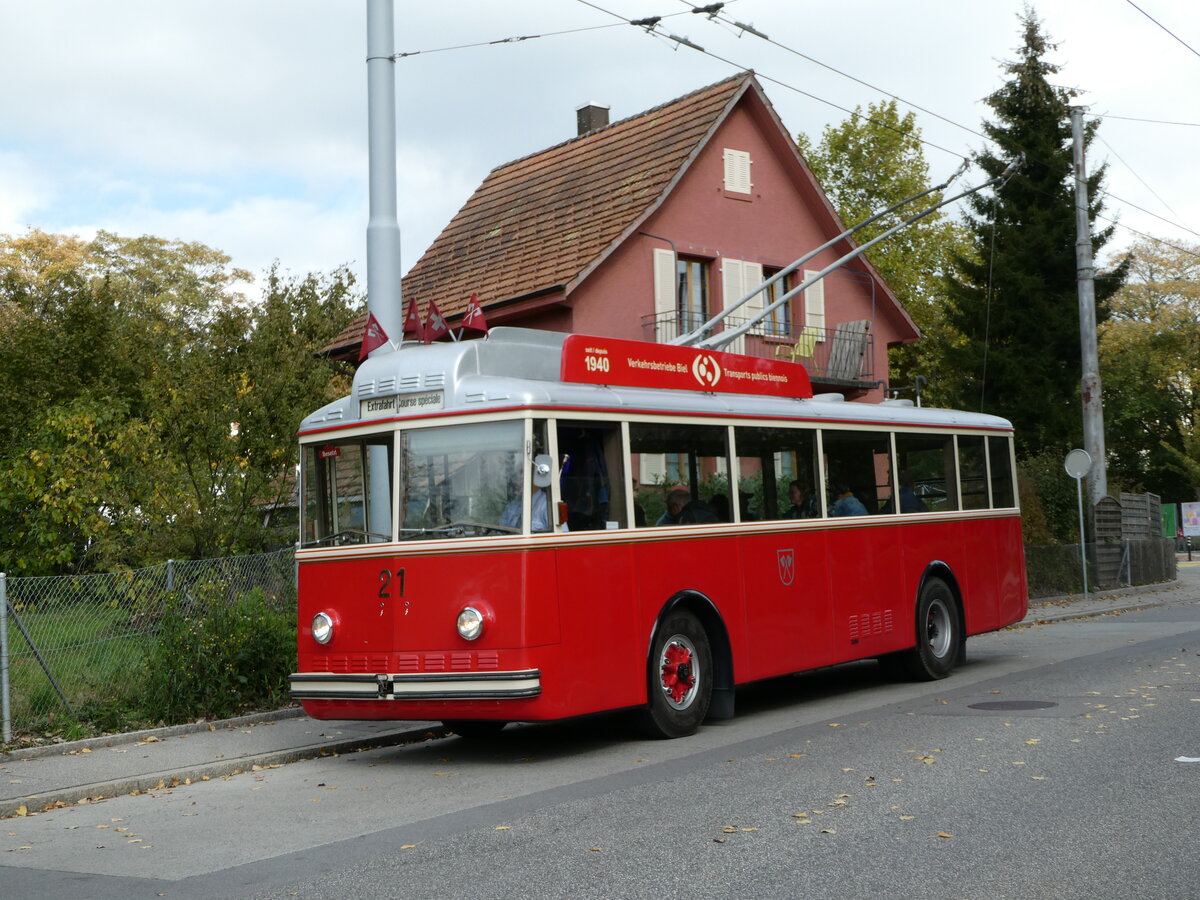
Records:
x=400, y=404
x=601, y=360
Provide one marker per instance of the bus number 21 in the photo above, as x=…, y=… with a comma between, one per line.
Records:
x=385, y=583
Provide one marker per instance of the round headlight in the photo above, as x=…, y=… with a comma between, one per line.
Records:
x=322, y=628
x=470, y=623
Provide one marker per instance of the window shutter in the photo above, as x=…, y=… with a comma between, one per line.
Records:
x=666, y=318
x=814, y=305
x=737, y=171
x=733, y=288
x=752, y=277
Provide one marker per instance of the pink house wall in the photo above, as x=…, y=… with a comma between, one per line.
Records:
x=775, y=226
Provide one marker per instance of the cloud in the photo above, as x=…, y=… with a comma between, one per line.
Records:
x=24, y=191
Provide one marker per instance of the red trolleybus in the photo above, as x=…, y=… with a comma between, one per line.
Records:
x=534, y=526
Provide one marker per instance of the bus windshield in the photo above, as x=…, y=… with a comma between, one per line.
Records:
x=454, y=481
x=462, y=480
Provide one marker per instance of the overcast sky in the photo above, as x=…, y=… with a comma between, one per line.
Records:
x=242, y=123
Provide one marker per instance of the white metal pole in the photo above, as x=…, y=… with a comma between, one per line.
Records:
x=383, y=228
x=1082, y=536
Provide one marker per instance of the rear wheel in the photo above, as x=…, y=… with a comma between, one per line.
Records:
x=680, y=677
x=474, y=728
x=939, y=633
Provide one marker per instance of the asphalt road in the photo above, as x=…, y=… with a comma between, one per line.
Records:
x=1045, y=767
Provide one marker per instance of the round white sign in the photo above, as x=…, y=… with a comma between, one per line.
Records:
x=1078, y=463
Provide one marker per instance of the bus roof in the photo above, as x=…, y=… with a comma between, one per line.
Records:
x=524, y=368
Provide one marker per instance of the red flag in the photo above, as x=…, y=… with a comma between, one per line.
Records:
x=435, y=324
x=473, y=318
x=412, y=322
x=373, y=336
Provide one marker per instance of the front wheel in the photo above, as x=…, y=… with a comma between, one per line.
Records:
x=939, y=634
x=680, y=677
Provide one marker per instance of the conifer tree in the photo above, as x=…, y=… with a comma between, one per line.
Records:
x=1014, y=299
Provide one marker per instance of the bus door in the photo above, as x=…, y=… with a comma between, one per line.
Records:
x=785, y=579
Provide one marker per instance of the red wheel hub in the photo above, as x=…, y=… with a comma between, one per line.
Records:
x=677, y=675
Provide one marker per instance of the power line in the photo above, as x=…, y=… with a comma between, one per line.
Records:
x=652, y=29
x=650, y=25
x=886, y=93
x=1163, y=27
x=1139, y=178
x=1151, y=121
x=511, y=40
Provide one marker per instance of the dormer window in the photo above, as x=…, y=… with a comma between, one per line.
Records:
x=737, y=171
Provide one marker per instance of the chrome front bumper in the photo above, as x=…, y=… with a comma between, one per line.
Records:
x=426, y=686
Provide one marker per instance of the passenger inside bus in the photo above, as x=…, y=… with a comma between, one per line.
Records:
x=804, y=503
x=683, y=510
x=846, y=503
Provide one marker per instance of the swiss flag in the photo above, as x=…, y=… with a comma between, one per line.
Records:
x=373, y=336
x=473, y=317
x=412, y=321
x=435, y=324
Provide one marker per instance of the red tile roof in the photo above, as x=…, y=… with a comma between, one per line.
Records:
x=538, y=222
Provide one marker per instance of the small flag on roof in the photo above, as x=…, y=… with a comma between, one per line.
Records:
x=473, y=317
x=373, y=336
x=412, y=321
x=435, y=324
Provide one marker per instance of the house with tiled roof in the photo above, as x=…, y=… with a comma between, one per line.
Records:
x=645, y=227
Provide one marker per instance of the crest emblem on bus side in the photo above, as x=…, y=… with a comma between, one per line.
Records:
x=707, y=370
x=787, y=565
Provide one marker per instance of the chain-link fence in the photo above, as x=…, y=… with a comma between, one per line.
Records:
x=1058, y=570
x=68, y=643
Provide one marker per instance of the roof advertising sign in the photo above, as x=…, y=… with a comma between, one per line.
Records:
x=601, y=360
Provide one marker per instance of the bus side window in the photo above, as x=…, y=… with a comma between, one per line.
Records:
x=972, y=472
x=777, y=473
x=592, y=475
x=859, y=469
x=926, y=472
x=668, y=457
x=1000, y=461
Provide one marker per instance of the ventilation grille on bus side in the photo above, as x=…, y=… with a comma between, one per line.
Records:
x=870, y=624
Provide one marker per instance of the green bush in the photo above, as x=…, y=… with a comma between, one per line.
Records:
x=231, y=657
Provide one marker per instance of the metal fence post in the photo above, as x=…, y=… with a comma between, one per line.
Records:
x=5, y=710
x=170, y=575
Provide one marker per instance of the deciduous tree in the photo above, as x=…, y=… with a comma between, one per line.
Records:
x=1150, y=369
x=869, y=162
x=150, y=407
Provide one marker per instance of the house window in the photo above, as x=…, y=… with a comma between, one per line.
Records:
x=691, y=292
x=779, y=320
x=737, y=171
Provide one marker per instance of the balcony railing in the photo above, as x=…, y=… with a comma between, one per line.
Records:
x=839, y=356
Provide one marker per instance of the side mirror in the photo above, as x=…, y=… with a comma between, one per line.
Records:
x=543, y=468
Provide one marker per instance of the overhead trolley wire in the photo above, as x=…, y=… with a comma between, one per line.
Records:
x=1163, y=27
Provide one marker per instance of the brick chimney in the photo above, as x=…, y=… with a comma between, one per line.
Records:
x=591, y=117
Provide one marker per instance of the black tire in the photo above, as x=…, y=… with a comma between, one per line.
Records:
x=473, y=729
x=939, y=634
x=679, y=677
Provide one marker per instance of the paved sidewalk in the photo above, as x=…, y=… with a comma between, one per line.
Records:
x=32, y=780
x=82, y=771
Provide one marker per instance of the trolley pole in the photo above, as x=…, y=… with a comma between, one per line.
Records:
x=1093, y=401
